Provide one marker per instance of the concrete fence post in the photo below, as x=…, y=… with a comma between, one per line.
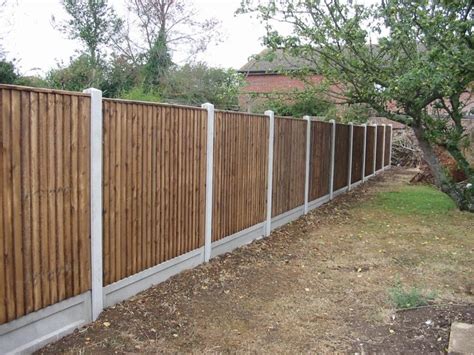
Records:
x=271, y=136
x=364, y=153
x=391, y=142
x=375, y=149
x=333, y=151
x=383, y=147
x=351, y=143
x=307, y=156
x=96, y=156
x=209, y=177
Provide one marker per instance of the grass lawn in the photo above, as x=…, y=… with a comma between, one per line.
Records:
x=331, y=281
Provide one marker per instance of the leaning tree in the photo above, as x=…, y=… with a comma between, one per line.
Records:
x=406, y=59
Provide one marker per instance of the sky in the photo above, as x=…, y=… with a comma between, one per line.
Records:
x=29, y=37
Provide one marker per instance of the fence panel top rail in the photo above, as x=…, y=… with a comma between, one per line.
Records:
x=151, y=103
x=42, y=90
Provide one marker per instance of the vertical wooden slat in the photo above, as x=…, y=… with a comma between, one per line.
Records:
x=113, y=192
x=3, y=235
x=75, y=193
x=118, y=194
x=106, y=194
x=124, y=193
x=140, y=201
x=7, y=207
x=26, y=201
x=59, y=168
x=50, y=196
x=17, y=203
x=149, y=192
x=67, y=157
x=43, y=164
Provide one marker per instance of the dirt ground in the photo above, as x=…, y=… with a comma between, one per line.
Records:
x=320, y=284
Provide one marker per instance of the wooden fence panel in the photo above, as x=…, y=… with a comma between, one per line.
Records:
x=320, y=159
x=388, y=137
x=44, y=198
x=154, y=184
x=289, y=164
x=357, y=153
x=369, y=156
x=341, y=156
x=379, y=158
x=240, y=172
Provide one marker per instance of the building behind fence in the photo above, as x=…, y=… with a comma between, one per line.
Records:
x=101, y=198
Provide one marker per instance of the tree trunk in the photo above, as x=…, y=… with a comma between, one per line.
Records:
x=463, y=198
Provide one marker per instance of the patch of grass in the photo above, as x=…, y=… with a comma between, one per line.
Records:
x=419, y=200
x=409, y=298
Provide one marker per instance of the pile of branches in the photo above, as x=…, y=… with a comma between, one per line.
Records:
x=405, y=149
x=426, y=176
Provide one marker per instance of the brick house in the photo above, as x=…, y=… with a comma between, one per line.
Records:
x=267, y=74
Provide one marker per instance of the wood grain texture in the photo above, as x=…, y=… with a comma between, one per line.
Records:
x=320, y=159
x=369, y=156
x=289, y=164
x=154, y=184
x=240, y=172
x=388, y=137
x=357, y=153
x=379, y=157
x=37, y=182
x=341, y=156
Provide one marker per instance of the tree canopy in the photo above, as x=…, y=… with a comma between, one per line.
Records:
x=402, y=58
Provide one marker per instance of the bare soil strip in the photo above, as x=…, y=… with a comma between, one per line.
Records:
x=319, y=284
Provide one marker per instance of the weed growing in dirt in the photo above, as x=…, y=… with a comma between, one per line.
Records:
x=419, y=199
x=414, y=297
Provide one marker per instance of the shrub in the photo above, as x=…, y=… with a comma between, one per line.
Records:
x=409, y=298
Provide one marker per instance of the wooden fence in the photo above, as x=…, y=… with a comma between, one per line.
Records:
x=320, y=160
x=369, y=151
x=379, y=155
x=357, y=154
x=240, y=179
x=341, y=159
x=155, y=185
x=289, y=159
x=44, y=199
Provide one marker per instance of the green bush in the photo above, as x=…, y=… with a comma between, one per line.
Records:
x=139, y=94
x=409, y=298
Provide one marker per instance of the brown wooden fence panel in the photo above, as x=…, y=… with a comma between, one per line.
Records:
x=289, y=164
x=320, y=159
x=154, y=184
x=357, y=153
x=379, y=158
x=240, y=172
x=44, y=198
x=388, y=137
x=369, y=149
x=341, y=156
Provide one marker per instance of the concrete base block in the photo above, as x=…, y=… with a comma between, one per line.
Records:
x=318, y=202
x=461, y=339
x=287, y=217
x=130, y=286
x=33, y=331
x=238, y=239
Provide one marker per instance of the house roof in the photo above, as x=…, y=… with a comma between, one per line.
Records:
x=384, y=120
x=273, y=61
